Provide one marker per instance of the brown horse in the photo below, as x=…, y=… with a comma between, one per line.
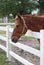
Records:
x=25, y=22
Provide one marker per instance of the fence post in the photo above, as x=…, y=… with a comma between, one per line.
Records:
x=41, y=47
x=8, y=45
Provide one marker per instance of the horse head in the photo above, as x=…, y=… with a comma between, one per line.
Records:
x=19, y=29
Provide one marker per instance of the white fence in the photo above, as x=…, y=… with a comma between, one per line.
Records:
x=7, y=49
x=7, y=23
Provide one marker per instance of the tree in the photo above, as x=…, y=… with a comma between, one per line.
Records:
x=17, y=6
x=41, y=6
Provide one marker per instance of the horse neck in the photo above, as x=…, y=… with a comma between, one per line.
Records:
x=27, y=19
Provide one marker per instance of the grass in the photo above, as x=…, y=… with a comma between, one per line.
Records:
x=26, y=37
x=1, y=21
x=3, y=59
x=2, y=32
x=11, y=20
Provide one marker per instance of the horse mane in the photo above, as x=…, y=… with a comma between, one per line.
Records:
x=34, y=15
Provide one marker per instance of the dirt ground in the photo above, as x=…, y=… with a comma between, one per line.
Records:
x=30, y=57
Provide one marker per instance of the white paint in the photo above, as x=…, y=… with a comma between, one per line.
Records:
x=42, y=47
x=7, y=42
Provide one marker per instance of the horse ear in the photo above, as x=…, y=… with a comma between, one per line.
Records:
x=18, y=16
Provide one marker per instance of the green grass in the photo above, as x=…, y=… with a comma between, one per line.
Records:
x=2, y=32
x=1, y=21
x=11, y=20
x=38, y=48
x=26, y=37
x=3, y=59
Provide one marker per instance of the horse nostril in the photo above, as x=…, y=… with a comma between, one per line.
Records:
x=13, y=40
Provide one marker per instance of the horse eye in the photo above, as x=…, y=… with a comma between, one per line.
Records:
x=17, y=26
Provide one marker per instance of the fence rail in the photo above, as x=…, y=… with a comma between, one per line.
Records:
x=7, y=23
x=26, y=48
x=7, y=49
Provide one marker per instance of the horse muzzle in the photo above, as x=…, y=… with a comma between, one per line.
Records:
x=14, y=40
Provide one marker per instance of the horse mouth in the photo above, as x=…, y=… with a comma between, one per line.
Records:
x=14, y=40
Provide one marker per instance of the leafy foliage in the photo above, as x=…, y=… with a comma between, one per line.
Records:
x=41, y=6
x=17, y=6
